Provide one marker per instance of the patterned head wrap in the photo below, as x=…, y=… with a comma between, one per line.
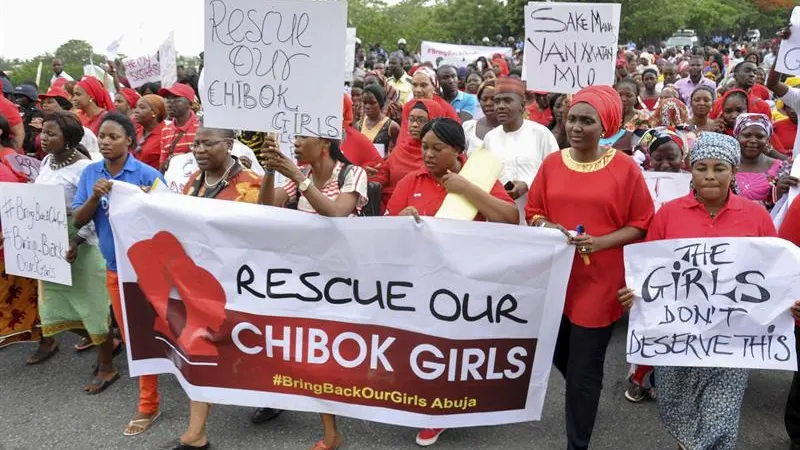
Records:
x=670, y=112
x=716, y=146
x=655, y=137
x=428, y=72
x=746, y=120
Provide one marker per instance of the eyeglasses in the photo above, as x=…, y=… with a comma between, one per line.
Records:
x=206, y=144
x=418, y=120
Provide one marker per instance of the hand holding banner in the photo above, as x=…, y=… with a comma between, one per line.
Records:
x=394, y=331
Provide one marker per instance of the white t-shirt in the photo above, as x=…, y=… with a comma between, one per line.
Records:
x=521, y=152
x=471, y=132
x=792, y=99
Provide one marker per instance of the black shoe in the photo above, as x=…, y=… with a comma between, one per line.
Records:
x=178, y=445
x=795, y=446
x=264, y=415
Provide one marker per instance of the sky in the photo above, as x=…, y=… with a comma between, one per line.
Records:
x=143, y=24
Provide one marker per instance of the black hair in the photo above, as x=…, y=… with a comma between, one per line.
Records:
x=757, y=55
x=629, y=81
x=225, y=132
x=650, y=70
x=358, y=82
x=704, y=87
x=554, y=99
x=378, y=92
x=123, y=121
x=71, y=128
x=445, y=67
x=152, y=87
x=65, y=104
x=336, y=152
x=471, y=73
x=741, y=94
x=5, y=135
x=420, y=105
x=448, y=131
x=739, y=66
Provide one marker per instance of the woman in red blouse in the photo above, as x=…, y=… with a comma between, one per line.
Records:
x=700, y=405
x=422, y=192
x=150, y=112
x=615, y=211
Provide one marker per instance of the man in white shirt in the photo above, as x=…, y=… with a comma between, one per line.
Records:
x=521, y=145
x=58, y=71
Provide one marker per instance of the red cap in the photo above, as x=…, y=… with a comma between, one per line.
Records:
x=178, y=90
x=55, y=92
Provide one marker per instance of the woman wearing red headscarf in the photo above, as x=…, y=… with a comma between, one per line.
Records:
x=125, y=101
x=500, y=66
x=357, y=148
x=406, y=157
x=92, y=101
x=613, y=210
x=734, y=103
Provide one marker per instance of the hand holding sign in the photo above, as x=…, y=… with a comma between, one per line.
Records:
x=788, y=60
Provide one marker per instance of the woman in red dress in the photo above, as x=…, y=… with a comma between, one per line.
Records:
x=615, y=211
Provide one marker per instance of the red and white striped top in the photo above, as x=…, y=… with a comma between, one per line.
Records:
x=355, y=181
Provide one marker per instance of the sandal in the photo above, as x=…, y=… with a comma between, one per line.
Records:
x=84, y=344
x=137, y=423
x=41, y=355
x=116, y=352
x=321, y=445
x=101, y=384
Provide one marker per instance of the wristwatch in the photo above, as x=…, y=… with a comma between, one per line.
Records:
x=304, y=185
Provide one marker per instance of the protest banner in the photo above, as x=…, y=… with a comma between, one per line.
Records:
x=167, y=61
x=327, y=315
x=143, y=69
x=569, y=46
x=271, y=66
x=350, y=54
x=24, y=165
x=458, y=55
x=667, y=186
x=714, y=302
x=36, y=241
x=788, y=60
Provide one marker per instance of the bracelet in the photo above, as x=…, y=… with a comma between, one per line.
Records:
x=537, y=217
x=269, y=172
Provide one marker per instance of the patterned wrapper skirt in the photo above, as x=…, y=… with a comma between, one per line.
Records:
x=700, y=406
x=19, y=316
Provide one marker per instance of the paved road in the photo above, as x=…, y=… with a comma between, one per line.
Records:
x=43, y=408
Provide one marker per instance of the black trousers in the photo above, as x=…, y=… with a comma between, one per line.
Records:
x=791, y=417
x=580, y=355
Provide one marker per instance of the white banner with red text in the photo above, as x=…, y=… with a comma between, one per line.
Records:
x=459, y=55
x=444, y=323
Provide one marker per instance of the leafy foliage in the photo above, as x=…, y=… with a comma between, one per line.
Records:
x=643, y=21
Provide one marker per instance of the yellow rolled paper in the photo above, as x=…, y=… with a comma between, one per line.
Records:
x=482, y=169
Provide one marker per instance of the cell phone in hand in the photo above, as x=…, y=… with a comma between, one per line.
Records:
x=509, y=186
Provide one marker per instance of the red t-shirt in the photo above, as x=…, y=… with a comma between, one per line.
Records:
x=685, y=218
x=603, y=197
x=422, y=191
x=148, y=150
x=761, y=92
x=790, y=228
x=359, y=149
x=10, y=112
x=784, y=133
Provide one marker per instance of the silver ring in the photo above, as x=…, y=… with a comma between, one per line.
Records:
x=583, y=249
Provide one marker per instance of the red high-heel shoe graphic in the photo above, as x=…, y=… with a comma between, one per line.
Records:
x=160, y=264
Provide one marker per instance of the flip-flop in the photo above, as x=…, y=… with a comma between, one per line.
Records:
x=84, y=344
x=116, y=352
x=321, y=445
x=102, y=384
x=136, y=423
x=41, y=356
